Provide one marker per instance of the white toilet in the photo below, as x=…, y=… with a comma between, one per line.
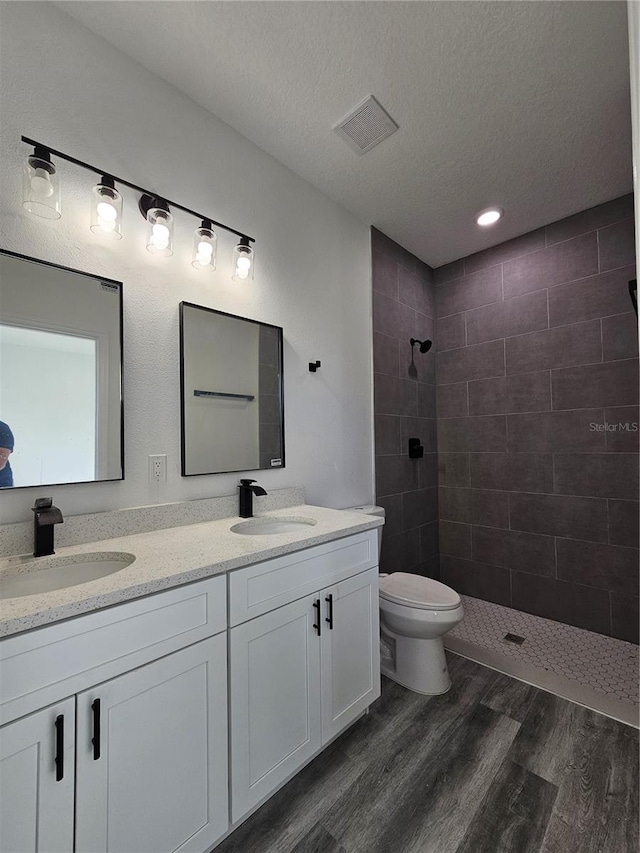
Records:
x=415, y=613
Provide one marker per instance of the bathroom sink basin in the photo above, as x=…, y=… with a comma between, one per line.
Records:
x=271, y=526
x=31, y=576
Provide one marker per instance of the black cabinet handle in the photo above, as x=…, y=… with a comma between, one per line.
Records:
x=59, y=748
x=318, y=623
x=95, y=740
x=329, y=619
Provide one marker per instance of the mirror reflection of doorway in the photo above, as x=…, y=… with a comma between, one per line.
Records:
x=48, y=396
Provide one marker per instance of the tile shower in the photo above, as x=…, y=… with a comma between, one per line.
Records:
x=536, y=375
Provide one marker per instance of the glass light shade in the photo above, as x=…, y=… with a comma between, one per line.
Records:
x=243, y=262
x=106, y=211
x=41, y=186
x=160, y=235
x=205, y=243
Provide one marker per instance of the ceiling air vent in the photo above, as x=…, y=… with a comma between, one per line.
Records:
x=365, y=126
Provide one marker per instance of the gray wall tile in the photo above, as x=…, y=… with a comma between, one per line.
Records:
x=384, y=275
x=563, y=346
x=625, y=617
x=590, y=298
x=475, y=362
x=429, y=541
x=620, y=337
x=605, y=566
x=571, y=517
x=623, y=523
x=606, y=475
x=454, y=504
x=415, y=292
x=523, y=245
x=517, y=472
x=451, y=400
x=524, y=392
x=455, y=539
x=451, y=333
x=464, y=435
x=562, y=309
x=394, y=475
x=480, y=580
x=392, y=318
x=556, y=264
x=617, y=245
x=393, y=514
x=490, y=508
x=387, y=435
x=524, y=552
x=448, y=272
x=562, y=432
x=623, y=429
x=404, y=404
x=590, y=220
x=480, y=288
x=577, y=605
x=419, y=507
x=385, y=354
x=453, y=469
x=614, y=383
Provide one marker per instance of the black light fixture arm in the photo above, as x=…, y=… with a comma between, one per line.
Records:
x=116, y=179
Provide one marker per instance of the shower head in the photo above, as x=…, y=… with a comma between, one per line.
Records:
x=425, y=346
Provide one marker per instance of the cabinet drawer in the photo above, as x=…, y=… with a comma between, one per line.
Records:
x=42, y=666
x=265, y=586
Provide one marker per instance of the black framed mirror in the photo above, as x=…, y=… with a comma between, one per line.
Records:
x=61, y=404
x=231, y=392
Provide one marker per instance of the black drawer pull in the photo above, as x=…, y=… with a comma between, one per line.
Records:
x=60, y=748
x=329, y=619
x=318, y=623
x=95, y=740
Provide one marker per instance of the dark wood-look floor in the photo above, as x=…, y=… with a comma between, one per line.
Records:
x=493, y=766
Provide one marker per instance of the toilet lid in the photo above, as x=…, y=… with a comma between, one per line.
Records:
x=418, y=591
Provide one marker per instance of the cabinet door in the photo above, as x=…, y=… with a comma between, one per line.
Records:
x=350, y=651
x=152, y=770
x=274, y=700
x=37, y=780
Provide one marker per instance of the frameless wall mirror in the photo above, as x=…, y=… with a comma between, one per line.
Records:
x=61, y=417
x=231, y=382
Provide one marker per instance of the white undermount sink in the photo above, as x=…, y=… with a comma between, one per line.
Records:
x=33, y=576
x=271, y=526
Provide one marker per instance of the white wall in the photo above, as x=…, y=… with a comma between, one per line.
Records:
x=66, y=87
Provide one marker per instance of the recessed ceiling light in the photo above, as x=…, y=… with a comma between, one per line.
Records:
x=489, y=216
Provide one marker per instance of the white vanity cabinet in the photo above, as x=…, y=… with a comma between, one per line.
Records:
x=37, y=781
x=306, y=667
x=148, y=746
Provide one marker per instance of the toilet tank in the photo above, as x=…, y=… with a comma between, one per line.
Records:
x=372, y=510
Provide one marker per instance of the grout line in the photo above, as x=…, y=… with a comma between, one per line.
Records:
x=598, y=249
x=555, y=556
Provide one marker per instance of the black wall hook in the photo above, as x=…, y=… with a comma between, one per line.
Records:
x=313, y=366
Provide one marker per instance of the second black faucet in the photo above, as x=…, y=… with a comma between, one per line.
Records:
x=247, y=491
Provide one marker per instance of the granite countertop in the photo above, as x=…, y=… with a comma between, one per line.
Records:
x=168, y=558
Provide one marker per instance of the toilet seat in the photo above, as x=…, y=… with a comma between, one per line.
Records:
x=417, y=591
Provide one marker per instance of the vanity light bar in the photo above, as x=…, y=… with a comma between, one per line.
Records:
x=46, y=150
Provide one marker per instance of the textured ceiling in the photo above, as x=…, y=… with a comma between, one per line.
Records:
x=520, y=104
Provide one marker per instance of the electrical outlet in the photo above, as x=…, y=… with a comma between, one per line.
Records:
x=158, y=468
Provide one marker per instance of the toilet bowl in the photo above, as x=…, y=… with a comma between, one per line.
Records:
x=415, y=613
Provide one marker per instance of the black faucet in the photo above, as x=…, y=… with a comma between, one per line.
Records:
x=45, y=517
x=247, y=491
